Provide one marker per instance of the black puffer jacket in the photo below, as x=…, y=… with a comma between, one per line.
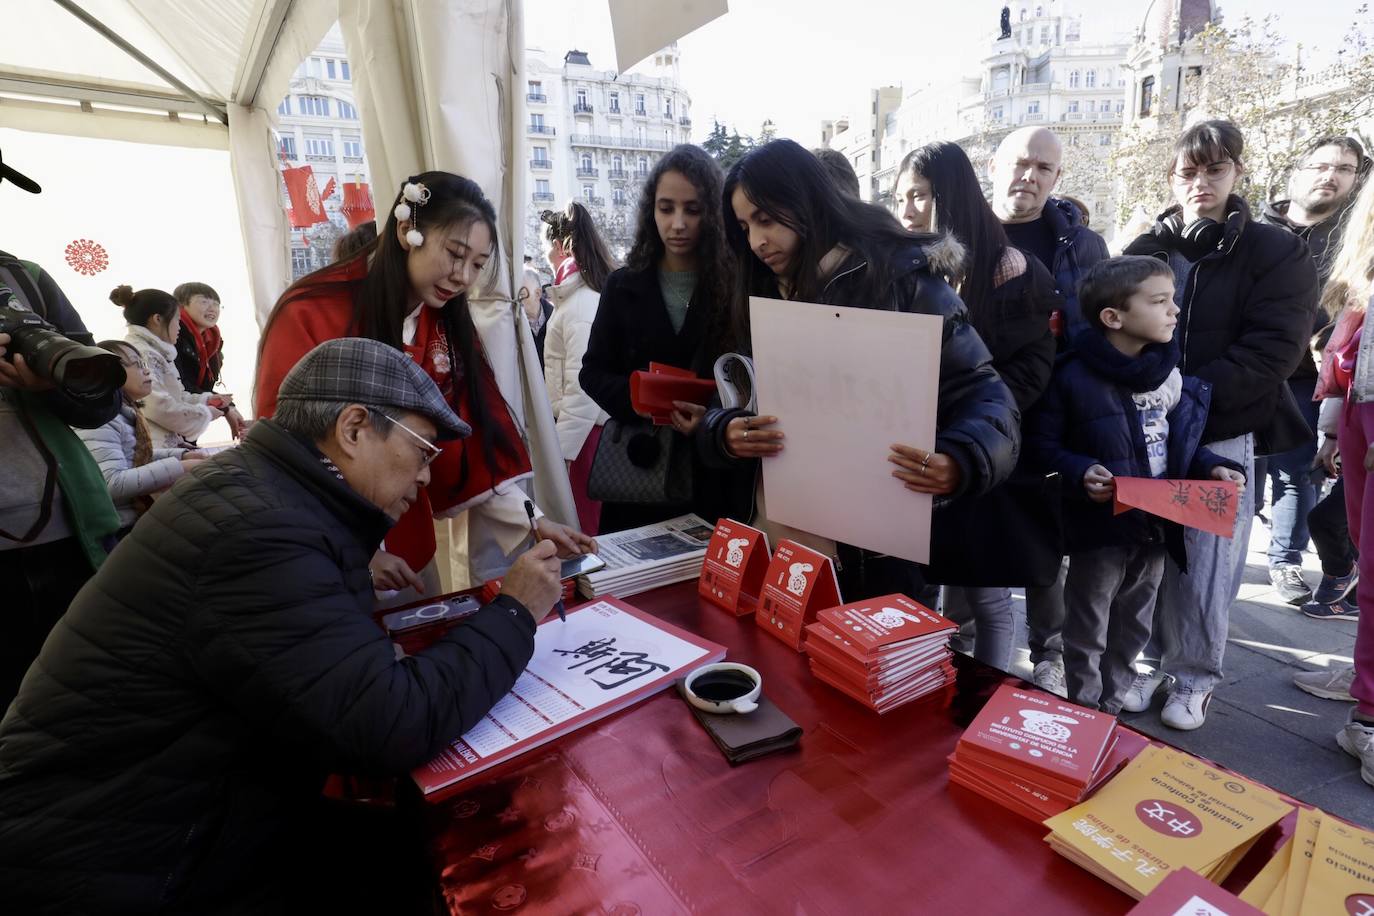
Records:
x=976, y=420
x=185, y=710
x=1015, y=326
x=1323, y=242
x=1245, y=319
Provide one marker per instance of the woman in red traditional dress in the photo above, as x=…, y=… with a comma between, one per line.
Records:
x=410, y=291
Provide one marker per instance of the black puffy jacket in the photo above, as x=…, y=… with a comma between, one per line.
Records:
x=184, y=711
x=1244, y=322
x=976, y=420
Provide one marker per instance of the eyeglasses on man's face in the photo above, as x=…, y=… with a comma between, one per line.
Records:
x=428, y=450
x=1323, y=168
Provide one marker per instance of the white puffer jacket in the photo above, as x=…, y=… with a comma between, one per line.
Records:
x=565, y=343
x=112, y=446
x=172, y=412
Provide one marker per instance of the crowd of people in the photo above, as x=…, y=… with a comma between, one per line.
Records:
x=233, y=616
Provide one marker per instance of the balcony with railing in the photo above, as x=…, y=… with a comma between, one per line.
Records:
x=615, y=111
x=544, y=129
x=594, y=201
x=542, y=164
x=684, y=121
x=587, y=172
x=536, y=97
x=542, y=197
x=582, y=108
x=620, y=142
x=641, y=113
x=618, y=175
x=641, y=174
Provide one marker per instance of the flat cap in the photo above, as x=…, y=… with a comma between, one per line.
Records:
x=357, y=370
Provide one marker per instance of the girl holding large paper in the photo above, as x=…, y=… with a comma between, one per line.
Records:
x=797, y=237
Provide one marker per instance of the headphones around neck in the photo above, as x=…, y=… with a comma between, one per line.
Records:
x=1193, y=241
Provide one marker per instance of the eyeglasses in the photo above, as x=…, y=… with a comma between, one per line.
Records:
x=134, y=364
x=1321, y=168
x=1214, y=172
x=428, y=451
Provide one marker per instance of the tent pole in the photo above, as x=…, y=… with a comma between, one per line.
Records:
x=215, y=111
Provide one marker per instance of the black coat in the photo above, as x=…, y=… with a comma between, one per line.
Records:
x=1244, y=323
x=1323, y=242
x=632, y=329
x=976, y=419
x=1015, y=326
x=188, y=364
x=186, y=708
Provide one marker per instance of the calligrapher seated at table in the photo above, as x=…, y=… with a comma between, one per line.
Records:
x=167, y=748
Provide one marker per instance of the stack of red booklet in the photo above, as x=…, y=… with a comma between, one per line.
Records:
x=883, y=652
x=1036, y=754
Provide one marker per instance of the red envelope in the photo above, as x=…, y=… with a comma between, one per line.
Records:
x=653, y=392
x=1208, y=505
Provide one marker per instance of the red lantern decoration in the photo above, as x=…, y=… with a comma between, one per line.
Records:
x=357, y=204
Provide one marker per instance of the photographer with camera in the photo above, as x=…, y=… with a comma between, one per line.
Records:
x=55, y=511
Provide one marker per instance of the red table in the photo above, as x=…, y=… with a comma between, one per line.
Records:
x=642, y=814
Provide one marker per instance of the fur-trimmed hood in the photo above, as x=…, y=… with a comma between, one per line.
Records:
x=945, y=255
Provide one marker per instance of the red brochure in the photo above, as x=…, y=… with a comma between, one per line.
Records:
x=733, y=569
x=1185, y=891
x=653, y=392
x=798, y=583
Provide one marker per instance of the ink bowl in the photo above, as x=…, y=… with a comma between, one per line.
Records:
x=724, y=687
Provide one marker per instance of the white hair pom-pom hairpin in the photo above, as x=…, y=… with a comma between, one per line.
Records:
x=416, y=194
x=402, y=212
x=415, y=238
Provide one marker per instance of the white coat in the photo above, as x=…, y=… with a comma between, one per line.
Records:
x=172, y=412
x=565, y=343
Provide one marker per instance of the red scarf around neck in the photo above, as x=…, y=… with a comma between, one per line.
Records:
x=208, y=344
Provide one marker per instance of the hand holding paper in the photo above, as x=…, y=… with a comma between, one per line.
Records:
x=1097, y=482
x=749, y=437
x=925, y=472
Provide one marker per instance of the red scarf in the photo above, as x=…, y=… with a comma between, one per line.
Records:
x=565, y=270
x=208, y=344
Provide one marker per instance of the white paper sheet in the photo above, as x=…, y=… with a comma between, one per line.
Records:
x=641, y=27
x=846, y=384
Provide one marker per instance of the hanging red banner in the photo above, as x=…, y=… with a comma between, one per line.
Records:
x=328, y=190
x=307, y=208
x=357, y=204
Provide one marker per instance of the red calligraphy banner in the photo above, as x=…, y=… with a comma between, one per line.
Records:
x=307, y=208
x=1208, y=505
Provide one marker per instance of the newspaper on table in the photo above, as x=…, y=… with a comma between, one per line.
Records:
x=645, y=558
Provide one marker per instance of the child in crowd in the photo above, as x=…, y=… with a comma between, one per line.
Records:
x=1118, y=406
x=134, y=470
x=200, y=348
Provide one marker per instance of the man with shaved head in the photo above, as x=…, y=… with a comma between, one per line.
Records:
x=1024, y=172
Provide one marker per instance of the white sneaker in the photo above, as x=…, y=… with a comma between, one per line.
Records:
x=1186, y=708
x=1357, y=740
x=1329, y=683
x=1049, y=677
x=1143, y=690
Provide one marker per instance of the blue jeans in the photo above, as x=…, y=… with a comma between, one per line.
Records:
x=1293, y=492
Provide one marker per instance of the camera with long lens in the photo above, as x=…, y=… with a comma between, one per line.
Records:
x=81, y=371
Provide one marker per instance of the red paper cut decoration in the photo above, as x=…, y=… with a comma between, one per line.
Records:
x=86, y=257
x=306, y=207
x=357, y=204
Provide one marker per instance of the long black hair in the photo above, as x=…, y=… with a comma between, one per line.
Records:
x=789, y=184
x=961, y=209
x=715, y=263
x=383, y=299
x=575, y=231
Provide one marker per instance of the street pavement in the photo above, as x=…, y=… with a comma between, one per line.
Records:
x=1259, y=724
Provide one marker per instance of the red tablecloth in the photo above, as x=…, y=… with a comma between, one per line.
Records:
x=641, y=813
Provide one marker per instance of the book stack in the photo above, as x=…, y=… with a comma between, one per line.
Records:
x=1164, y=812
x=1034, y=753
x=884, y=652
x=645, y=558
x=1327, y=866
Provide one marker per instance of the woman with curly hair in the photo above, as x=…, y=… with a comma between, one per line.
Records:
x=669, y=304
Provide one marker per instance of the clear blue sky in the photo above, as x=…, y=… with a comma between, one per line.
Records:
x=799, y=61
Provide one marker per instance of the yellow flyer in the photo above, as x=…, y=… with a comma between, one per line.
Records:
x=1341, y=879
x=1257, y=892
x=1165, y=811
x=1304, y=841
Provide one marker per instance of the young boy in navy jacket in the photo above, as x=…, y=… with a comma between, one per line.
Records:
x=1117, y=406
